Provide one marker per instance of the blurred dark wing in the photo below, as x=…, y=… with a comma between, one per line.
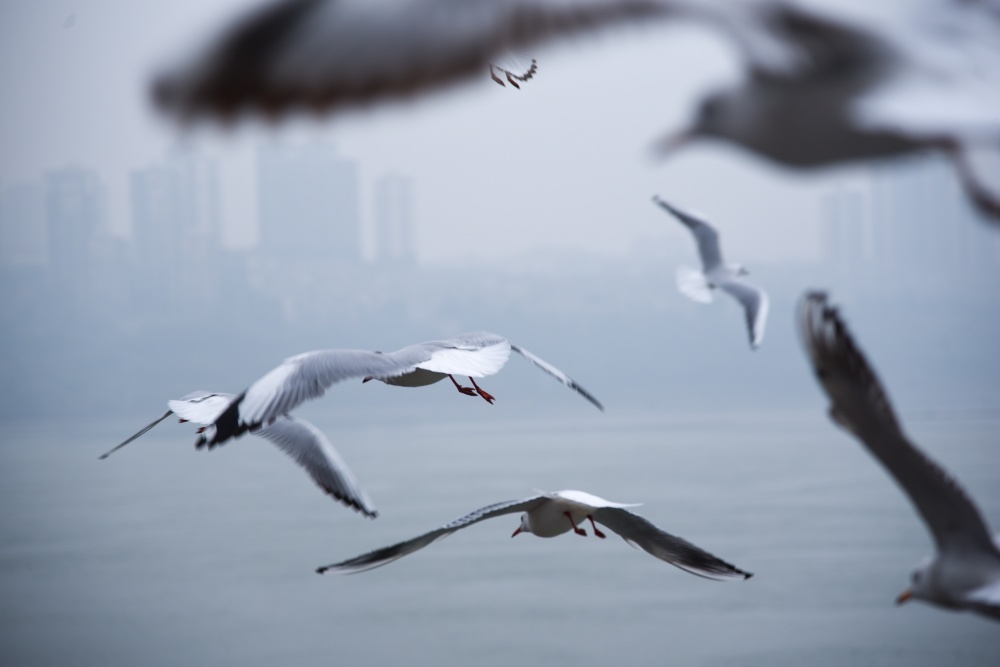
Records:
x=386, y=555
x=670, y=548
x=323, y=54
x=308, y=447
x=557, y=374
x=860, y=405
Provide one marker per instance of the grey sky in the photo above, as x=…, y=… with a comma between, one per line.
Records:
x=562, y=163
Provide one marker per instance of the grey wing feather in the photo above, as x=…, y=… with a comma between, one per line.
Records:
x=705, y=235
x=136, y=435
x=860, y=405
x=755, y=307
x=307, y=376
x=323, y=54
x=308, y=447
x=557, y=374
x=386, y=555
x=670, y=548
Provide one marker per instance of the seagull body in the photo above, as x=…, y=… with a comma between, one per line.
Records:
x=299, y=439
x=717, y=274
x=552, y=514
x=307, y=376
x=822, y=85
x=964, y=572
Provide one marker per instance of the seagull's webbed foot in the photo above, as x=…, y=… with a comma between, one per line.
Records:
x=181, y=421
x=479, y=390
x=576, y=528
x=596, y=531
x=468, y=391
x=512, y=81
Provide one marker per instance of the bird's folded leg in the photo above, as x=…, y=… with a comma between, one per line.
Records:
x=596, y=531
x=576, y=529
x=479, y=390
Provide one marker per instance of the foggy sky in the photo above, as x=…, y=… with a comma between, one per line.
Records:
x=563, y=163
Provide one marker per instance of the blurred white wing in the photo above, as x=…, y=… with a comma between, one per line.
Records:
x=201, y=407
x=308, y=447
x=860, y=405
x=474, y=355
x=705, y=236
x=388, y=554
x=755, y=307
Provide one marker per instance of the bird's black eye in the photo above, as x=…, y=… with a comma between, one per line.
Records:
x=915, y=576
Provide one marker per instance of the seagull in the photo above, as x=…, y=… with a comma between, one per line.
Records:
x=823, y=85
x=302, y=441
x=964, y=573
x=552, y=514
x=328, y=54
x=715, y=273
x=515, y=68
x=307, y=376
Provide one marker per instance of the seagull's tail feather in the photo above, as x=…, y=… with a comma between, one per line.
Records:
x=692, y=284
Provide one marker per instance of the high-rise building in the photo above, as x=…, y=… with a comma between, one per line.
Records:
x=394, y=235
x=75, y=213
x=308, y=203
x=23, y=238
x=176, y=227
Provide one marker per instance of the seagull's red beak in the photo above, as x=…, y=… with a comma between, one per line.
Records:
x=516, y=532
x=904, y=596
x=367, y=379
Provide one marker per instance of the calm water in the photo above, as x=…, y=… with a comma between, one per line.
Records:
x=163, y=555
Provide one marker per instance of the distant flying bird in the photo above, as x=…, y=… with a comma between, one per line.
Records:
x=823, y=85
x=302, y=441
x=964, y=573
x=515, y=68
x=307, y=376
x=717, y=274
x=551, y=514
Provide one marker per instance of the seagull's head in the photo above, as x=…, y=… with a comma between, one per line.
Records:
x=921, y=586
x=524, y=527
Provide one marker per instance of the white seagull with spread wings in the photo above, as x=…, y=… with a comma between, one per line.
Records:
x=307, y=376
x=302, y=441
x=717, y=274
x=964, y=573
x=552, y=514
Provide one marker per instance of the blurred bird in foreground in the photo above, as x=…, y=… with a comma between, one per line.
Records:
x=964, y=573
x=825, y=83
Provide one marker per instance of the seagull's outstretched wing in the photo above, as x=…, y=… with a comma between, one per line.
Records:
x=136, y=435
x=557, y=374
x=308, y=447
x=704, y=235
x=755, y=306
x=324, y=54
x=515, y=67
x=670, y=548
x=475, y=354
x=860, y=405
x=985, y=600
x=386, y=555
x=301, y=378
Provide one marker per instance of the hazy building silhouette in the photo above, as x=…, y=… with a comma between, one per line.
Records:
x=394, y=232
x=175, y=227
x=75, y=213
x=307, y=203
x=23, y=238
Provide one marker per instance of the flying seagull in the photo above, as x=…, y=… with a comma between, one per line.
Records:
x=823, y=84
x=302, y=441
x=964, y=573
x=552, y=514
x=307, y=376
x=717, y=274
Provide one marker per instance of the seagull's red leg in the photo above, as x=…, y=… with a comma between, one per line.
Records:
x=468, y=391
x=479, y=390
x=181, y=421
x=576, y=529
x=495, y=77
x=596, y=532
